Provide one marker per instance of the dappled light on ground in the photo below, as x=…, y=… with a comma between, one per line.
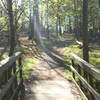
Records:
x=49, y=82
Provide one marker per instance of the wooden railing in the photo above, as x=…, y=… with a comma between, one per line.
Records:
x=86, y=77
x=11, y=80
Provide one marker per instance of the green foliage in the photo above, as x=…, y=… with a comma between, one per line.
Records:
x=2, y=20
x=3, y=23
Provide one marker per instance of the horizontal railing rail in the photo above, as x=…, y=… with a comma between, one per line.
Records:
x=11, y=79
x=87, y=77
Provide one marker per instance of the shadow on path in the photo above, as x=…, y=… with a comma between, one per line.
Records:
x=48, y=80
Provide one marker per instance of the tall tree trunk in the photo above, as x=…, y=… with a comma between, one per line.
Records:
x=23, y=18
x=47, y=22
x=85, y=31
x=99, y=19
x=57, y=27
x=31, y=26
x=76, y=20
x=11, y=39
x=70, y=27
x=60, y=31
x=11, y=27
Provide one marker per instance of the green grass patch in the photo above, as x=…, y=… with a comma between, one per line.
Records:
x=29, y=63
x=73, y=48
x=94, y=53
x=5, y=56
x=95, y=58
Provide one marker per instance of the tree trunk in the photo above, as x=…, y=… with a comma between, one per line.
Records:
x=85, y=31
x=76, y=20
x=99, y=19
x=60, y=33
x=47, y=30
x=70, y=27
x=57, y=27
x=11, y=27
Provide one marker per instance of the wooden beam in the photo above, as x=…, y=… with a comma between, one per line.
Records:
x=6, y=64
x=92, y=70
x=94, y=93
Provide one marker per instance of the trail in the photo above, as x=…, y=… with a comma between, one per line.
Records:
x=49, y=81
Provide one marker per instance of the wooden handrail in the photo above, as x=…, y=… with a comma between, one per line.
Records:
x=9, y=81
x=88, y=67
x=5, y=64
x=85, y=73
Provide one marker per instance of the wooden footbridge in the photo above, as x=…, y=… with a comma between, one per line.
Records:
x=85, y=76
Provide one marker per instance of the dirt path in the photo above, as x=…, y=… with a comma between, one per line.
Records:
x=48, y=81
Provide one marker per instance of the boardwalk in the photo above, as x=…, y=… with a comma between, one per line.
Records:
x=49, y=81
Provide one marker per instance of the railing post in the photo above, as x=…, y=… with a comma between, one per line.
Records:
x=90, y=81
x=9, y=75
x=15, y=83
x=20, y=66
x=86, y=73
x=4, y=81
x=73, y=66
x=80, y=72
x=22, y=96
x=9, y=84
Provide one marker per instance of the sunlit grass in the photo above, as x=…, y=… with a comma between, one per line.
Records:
x=95, y=56
x=5, y=56
x=70, y=49
x=73, y=48
x=29, y=63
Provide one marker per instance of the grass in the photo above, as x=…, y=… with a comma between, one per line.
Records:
x=50, y=42
x=94, y=58
x=29, y=63
x=30, y=52
x=31, y=55
x=94, y=53
x=73, y=48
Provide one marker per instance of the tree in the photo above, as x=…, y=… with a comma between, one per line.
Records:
x=11, y=27
x=85, y=31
